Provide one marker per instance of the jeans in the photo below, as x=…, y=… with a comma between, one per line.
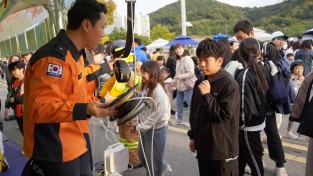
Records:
x=159, y=165
x=181, y=95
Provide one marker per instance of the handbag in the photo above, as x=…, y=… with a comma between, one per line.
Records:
x=190, y=82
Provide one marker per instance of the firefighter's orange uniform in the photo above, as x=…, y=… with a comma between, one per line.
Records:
x=54, y=102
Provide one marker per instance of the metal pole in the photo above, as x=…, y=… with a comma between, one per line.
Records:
x=183, y=17
x=58, y=14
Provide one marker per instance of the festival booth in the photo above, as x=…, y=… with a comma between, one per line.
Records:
x=159, y=43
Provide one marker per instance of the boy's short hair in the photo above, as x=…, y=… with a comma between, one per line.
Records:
x=210, y=48
x=244, y=26
x=15, y=65
x=296, y=63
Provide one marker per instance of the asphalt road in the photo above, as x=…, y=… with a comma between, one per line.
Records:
x=177, y=152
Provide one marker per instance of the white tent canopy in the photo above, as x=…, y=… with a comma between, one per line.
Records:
x=261, y=35
x=157, y=43
x=21, y=21
x=258, y=34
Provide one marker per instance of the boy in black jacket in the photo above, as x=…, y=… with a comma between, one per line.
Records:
x=214, y=114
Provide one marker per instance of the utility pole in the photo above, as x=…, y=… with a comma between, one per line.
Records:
x=183, y=17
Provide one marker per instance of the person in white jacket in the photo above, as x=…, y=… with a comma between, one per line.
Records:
x=184, y=70
x=153, y=121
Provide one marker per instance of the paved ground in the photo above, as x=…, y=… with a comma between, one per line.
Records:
x=177, y=153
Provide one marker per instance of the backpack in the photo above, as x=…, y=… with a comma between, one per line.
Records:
x=279, y=86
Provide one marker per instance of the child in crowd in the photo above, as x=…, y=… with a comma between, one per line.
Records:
x=153, y=118
x=169, y=89
x=290, y=57
x=161, y=61
x=296, y=80
x=214, y=114
x=254, y=82
x=16, y=100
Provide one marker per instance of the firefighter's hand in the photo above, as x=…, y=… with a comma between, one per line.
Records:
x=98, y=109
x=192, y=145
x=205, y=87
x=133, y=130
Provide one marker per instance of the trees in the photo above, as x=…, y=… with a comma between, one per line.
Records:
x=118, y=34
x=161, y=31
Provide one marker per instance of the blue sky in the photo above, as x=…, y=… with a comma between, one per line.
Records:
x=148, y=6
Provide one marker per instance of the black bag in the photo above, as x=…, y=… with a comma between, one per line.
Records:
x=306, y=124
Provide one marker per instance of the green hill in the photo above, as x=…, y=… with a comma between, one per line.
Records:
x=210, y=17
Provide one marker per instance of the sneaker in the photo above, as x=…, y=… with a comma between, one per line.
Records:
x=174, y=116
x=177, y=122
x=247, y=170
x=281, y=172
x=187, y=124
x=167, y=169
x=5, y=164
x=290, y=135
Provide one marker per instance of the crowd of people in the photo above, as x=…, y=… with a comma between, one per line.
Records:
x=232, y=88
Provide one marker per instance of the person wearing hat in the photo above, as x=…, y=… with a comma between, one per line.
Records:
x=279, y=39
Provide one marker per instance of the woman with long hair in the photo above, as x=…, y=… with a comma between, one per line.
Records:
x=184, y=69
x=254, y=85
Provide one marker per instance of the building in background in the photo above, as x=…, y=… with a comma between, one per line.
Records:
x=141, y=26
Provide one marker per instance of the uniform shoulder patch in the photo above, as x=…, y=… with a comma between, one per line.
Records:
x=54, y=70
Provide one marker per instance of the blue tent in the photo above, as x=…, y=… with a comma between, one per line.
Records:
x=308, y=32
x=182, y=39
x=220, y=36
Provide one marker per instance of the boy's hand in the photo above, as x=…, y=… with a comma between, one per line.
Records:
x=205, y=87
x=192, y=145
x=11, y=100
